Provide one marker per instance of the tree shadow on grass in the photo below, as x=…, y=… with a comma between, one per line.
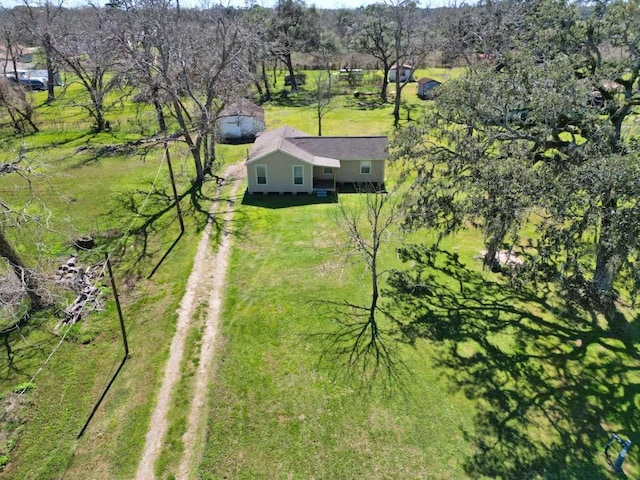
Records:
x=150, y=216
x=362, y=347
x=549, y=387
x=287, y=98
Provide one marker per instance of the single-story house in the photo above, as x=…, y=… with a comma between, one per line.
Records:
x=287, y=160
x=23, y=55
x=425, y=87
x=406, y=73
x=241, y=120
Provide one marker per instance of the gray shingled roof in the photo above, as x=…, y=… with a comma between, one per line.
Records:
x=320, y=151
x=427, y=80
x=244, y=108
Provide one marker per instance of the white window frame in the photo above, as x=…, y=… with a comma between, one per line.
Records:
x=365, y=164
x=293, y=174
x=327, y=170
x=266, y=181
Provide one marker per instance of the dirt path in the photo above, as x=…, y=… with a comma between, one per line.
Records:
x=205, y=281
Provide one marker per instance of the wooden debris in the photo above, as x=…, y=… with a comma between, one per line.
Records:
x=82, y=281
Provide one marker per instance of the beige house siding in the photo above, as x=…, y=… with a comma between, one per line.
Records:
x=349, y=171
x=279, y=175
x=238, y=126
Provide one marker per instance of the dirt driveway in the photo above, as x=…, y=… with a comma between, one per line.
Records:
x=205, y=281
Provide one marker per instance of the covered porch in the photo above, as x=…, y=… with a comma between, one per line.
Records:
x=324, y=174
x=323, y=184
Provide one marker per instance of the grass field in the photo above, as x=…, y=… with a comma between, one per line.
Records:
x=494, y=382
x=499, y=384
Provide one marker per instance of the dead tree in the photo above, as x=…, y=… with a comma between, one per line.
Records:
x=19, y=108
x=360, y=340
x=12, y=217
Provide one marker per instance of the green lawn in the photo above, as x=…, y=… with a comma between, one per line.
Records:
x=88, y=193
x=500, y=383
x=494, y=382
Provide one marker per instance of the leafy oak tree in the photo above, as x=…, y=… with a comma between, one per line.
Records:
x=542, y=131
x=293, y=27
x=372, y=33
x=394, y=33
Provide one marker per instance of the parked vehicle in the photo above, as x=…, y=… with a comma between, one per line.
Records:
x=33, y=83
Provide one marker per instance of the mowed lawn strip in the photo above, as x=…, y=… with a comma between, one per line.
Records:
x=280, y=413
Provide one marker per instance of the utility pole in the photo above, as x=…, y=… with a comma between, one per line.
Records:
x=115, y=295
x=126, y=349
x=173, y=186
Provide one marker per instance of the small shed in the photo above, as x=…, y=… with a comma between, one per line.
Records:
x=241, y=120
x=426, y=86
x=406, y=73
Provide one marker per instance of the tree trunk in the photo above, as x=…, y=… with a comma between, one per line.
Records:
x=608, y=257
x=157, y=105
x=492, y=250
x=375, y=293
x=396, y=102
x=265, y=80
x=51, y=73
x=289, y=62
x=98, y=114
x=607, y=268
x=193, y=147
x=209, y=153
x=26, y=276
x=385, y=84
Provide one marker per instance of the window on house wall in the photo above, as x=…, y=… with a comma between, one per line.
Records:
x=327, y=170
x=298, y=175
x=261, y=174
x=365, y=167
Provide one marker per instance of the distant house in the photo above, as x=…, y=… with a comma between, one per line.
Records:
x=406, y=73
x=23, y=56
x=425, y=87
x=287, y=160
x=241, y=120
x=23, y=70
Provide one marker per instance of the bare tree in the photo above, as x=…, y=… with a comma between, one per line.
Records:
x=9, y=34
x=12, y=98
x=87, y=46
x=12, y=218
x=39, y=19
x=256, y=21
x=410, y=45
x=19, y=108
x=395, y=34
x=360, y=340
x=324, y=96
x=195, y=59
